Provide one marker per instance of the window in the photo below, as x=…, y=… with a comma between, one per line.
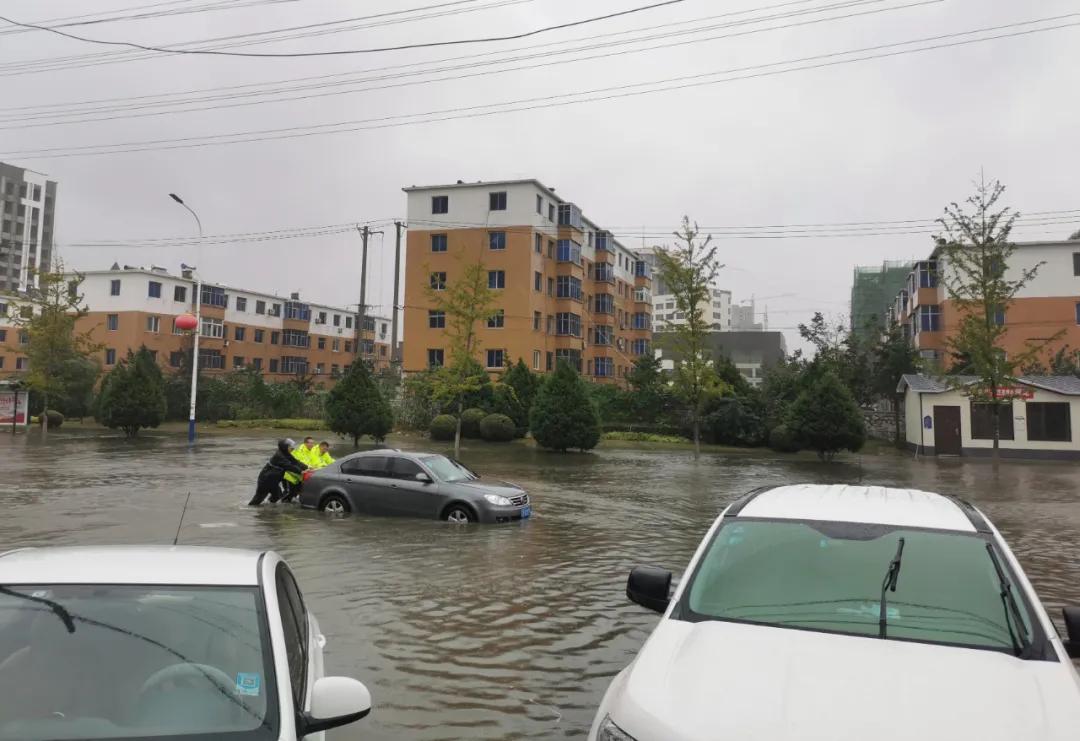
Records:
x=930, y=318
x=438, y=281
x=551, y=287
x=1078, y=313
x=799, y=575
x=568, y=287
x=604, y=272
x=982, y=421
x=540, y=207
x=497, y=240
x=259, y=334
x=536, y=321
x=440, y=204
x=436, y=319
x=153, y=324
x=212, y=328
x=438, y=243
x=551, y=212
x=176, y=358
x=1076, y=263
x=570, y=357
x=495, y=359
x=1049, y=421
x=496, y=279
x=114, y=287
x=435, y=357
x=241, y=303
x=238, y=333
x=549, y=361
x=294, y=364
x=550, y=323
x=602, y=334
x=497, y=201
x=604, y=303
x=337, y=321
x=275, y=310
x=256, y=363
x=999, y=316
x=348, y=322
x=604, y=367
x=639, y=347
x=110, y=356
x=927, y=271
x=295, y=338
x=3, y=335
x=260, y=307
x=112, y=322
x=567, y=250
x=568, y=324
x=294, y=625
x=538, y=283
x=366, y=465
x=273, y=365
x=238, y=361
x=539, y=246
x=404, y=469
x=641, y=321
x=495, y=321
x=180, y=294
x=335, y=370
x=275, y=337
x=20, y=363
x=536, y=360
x=335, y=345
x=154, y=289
x=322, y=343
x=298, y=311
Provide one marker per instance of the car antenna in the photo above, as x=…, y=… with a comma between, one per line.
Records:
x=891, y=577
x=181, y=523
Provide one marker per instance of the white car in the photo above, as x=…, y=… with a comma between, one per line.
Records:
x=148, y=642
x=845, y=613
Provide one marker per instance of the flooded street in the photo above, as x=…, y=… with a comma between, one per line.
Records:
x=484, y=632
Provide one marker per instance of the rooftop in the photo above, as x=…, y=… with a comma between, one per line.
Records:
x=1066, y=385
x=863, y=504
x=130, y=565
x=486, y=184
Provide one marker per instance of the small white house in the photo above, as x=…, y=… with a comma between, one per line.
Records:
x=1041, y=420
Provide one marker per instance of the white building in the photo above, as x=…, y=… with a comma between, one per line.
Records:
x=28, y=208
x=1040, y=420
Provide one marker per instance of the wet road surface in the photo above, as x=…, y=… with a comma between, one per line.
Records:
x=484, y=632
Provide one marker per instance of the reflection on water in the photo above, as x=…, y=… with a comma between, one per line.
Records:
x=495, y=631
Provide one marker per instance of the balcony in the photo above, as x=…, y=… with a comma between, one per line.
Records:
x=642, y=269
x=603, y=303
x=603, y=272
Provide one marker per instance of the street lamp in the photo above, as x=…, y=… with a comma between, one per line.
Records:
x=198, y=325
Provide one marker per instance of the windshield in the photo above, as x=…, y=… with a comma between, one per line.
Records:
x=828, y=576
x=141, y=661
x=446, y=469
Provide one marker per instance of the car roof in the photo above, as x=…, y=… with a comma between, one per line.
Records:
x=190, y=565
x=861, y=504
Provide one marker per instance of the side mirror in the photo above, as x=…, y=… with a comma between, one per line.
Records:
x=649, y=587
x=423, y=478
x=336, y=701
x=1072, y=630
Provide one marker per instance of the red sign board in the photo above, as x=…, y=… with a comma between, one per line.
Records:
x=1013, y=392
x=9, y=412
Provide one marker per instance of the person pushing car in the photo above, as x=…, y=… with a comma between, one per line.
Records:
x=305, y=454
x=280, y=464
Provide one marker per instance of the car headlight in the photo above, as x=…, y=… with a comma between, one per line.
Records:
x=497, y=500
x=611, y=732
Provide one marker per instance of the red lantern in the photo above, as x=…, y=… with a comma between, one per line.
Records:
x=186, y=322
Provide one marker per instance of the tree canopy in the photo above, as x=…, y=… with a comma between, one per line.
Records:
x=132, y=395
x=563, y=417
x=356, y=407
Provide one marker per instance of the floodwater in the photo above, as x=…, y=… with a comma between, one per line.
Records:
x=484, y=632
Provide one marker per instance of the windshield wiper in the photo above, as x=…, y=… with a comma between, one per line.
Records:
x=891, y=577
x=56, y=607
x=1019, y=639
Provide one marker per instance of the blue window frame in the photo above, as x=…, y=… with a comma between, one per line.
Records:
x=641, y=321
x=567, y=250
x=568, y=324
x=110, y=356
x=154, y=289
x=438, y=243
x=568, y=287
x=495, y=359
x=604, y=367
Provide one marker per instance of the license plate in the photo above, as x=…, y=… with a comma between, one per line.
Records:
x=526, y=512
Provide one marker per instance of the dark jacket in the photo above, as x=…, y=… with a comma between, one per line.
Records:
x=280, y=462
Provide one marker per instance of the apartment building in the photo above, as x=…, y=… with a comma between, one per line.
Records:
x=1048, y=304
x=27, y=210
x=568, y=290
x=280, y=337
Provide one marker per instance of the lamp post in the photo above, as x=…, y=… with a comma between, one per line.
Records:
x=198, y=326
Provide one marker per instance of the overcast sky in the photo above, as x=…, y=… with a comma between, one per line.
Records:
x=886, y=139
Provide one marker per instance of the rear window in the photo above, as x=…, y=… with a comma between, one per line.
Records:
x=129, y=661
x=368, y=465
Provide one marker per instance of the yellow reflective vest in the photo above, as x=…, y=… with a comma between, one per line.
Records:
x=319, y=460
x=305, y=456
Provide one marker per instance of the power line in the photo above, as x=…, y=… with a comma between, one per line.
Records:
x=552, y=101
x=36, y=120
x=341, y=52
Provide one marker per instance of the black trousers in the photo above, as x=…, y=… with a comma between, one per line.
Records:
x=266, y=486
x=291, y=490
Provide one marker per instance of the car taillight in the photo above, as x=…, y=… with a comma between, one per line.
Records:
x=307, y=474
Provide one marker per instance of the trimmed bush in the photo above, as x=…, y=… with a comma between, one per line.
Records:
x=470, y=422
x=826, y=419
x=782, y=440
x=498, y=428
x=443, y=427
x=55, y=418
x=563, y=417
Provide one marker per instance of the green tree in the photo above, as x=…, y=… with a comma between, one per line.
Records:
x=1064, y=362
x=78, y=376
x=689, y=270
x=525, y=384
x=893, y=356
x=563, y=417
x=839, y=351
x=505, y=401
x=649, y=399
x=132, y=396
x=356, y=407
x=974, y=254
x=465, y=302
x=55, y=349
x=825, y=418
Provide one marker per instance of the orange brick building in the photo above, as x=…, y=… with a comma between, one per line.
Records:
x=567, y=289
x=280, y=337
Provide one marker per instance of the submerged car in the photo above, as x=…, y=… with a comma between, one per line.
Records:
x=846, y=613
x=393, y=482
x=155, y=642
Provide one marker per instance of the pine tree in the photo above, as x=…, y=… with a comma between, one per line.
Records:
x=356, y=407
x=132, y=395
x=562, y=416
x=524, y=382
x=826, y=418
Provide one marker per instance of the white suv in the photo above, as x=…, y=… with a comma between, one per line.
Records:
x=846, y=613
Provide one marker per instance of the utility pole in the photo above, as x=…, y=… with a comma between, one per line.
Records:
x=395, y=357
x=365, y=232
